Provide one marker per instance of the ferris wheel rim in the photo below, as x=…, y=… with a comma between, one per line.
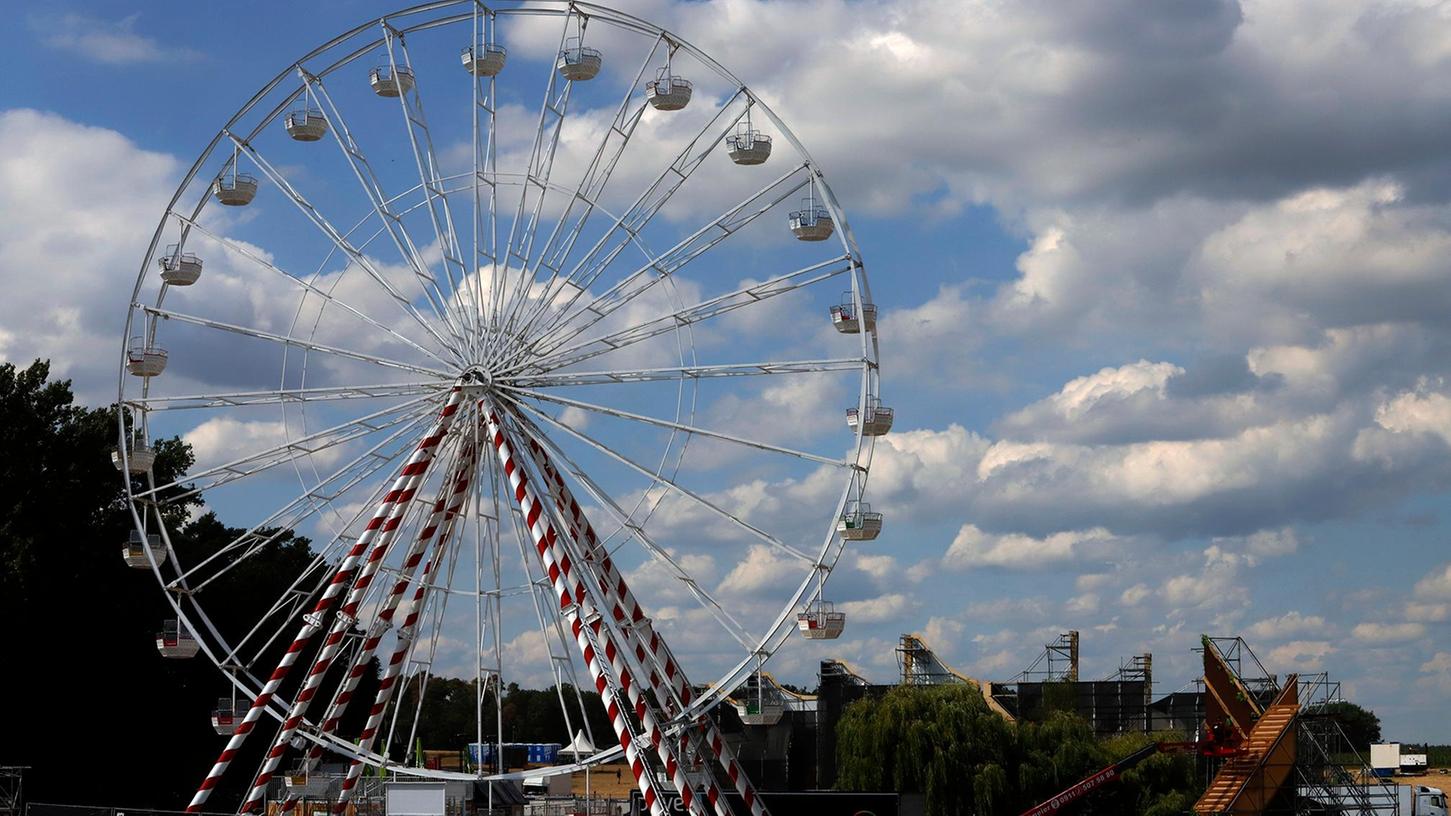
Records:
x=830, y=551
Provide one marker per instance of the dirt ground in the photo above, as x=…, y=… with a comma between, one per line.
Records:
x=613, y=781
x=1438, y=778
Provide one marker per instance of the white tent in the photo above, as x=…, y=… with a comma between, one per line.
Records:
x=580, y=747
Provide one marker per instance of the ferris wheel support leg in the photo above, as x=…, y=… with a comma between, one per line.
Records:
x=649, y=644
x=591, y=633
x=452, y=495
x=407, y=636
x=417, y=463
x=385, y=524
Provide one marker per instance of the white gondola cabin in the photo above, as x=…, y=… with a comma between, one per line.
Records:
x=306, y=124
x=811, y=223
x=760, y=712
x=875, y=421
x=668, y=93
x=844, y=317
x=145, y=360
x=226, y=717
x=391, y=81
x=235, y=189
x=820, y=621
x=859, y=523
x=180, y=268
x=137, y=458
x=134, y=551
x=176, y=641
x=484, y=60
x=747, y=146
x=578, y=63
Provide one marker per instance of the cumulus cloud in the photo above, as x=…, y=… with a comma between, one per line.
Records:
x=1215, y=586
x=1135, y=594
x=1287, y=625
x=973, y=548
x=882, y=609
x=1436, y=586
x=93, y=195
x=1301, y=655
x=1388, y=632
x=111, y=42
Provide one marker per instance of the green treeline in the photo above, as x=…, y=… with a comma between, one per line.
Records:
x=944, y=742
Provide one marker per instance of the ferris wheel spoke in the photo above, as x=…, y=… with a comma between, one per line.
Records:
x=294, y=342
x=439, y=211
x=680, y=426
x=672, y=261
x=702, y=596
x=701, y=372
x=702, y=311
x=328, y=297
x=754, y=531
x=311, y=502
x=591, y=186
x=353, y=254
x=293, y=449
x=636, y=218
x=433, y=289
x=484, y=109
x=520, y=244
x=287, y=396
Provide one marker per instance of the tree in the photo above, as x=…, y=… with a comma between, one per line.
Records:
x=941, y=741
x=98, y=701
x=944, y=742
x=1361, y=725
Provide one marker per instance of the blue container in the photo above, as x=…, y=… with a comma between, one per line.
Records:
x=481, y=753
x=544, y=753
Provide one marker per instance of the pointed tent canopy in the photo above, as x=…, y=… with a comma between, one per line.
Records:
x=580, y=746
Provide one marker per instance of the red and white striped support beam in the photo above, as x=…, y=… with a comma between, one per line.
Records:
x=407, y=637
x=416, y=465
x=386, y=521
x=574, y=602
x=667, y=678
x=451, y=498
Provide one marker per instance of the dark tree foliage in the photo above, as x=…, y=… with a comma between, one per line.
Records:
x=448, y=716
x=944, y=742
x=95, y=711
x=1361, y=725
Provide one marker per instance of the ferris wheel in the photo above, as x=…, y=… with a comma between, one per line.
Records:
x=502, y=362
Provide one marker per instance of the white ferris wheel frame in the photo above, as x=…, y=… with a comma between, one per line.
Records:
x=520, y=378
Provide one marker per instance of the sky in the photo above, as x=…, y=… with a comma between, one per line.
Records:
x=1163, y=292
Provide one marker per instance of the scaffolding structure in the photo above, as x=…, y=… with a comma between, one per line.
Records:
x=1328, y=775
x=920, y=666
x=1057, y=663
x=12, y=789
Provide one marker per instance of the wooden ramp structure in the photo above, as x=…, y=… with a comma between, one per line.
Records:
x=921, y=666
x=1261, y=741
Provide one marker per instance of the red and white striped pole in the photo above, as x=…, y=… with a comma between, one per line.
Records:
x=452, y=495
x=389, y=516
x=658, y=687
x=627, y=610
x=573, y=600
x=407, y=636
x=416, y=464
